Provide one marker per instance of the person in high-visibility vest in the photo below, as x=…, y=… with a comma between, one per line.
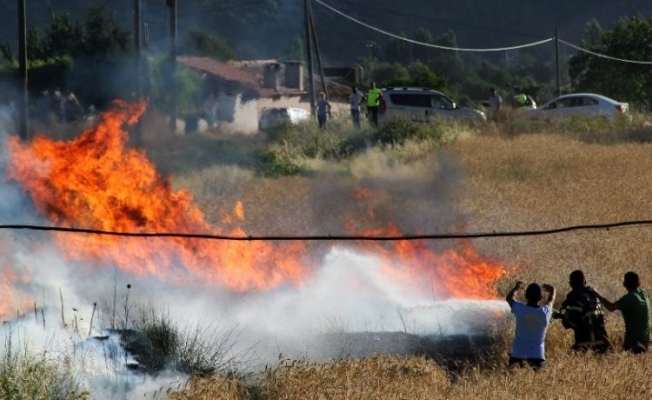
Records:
x=373, y=99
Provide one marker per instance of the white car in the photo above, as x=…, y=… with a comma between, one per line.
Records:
x=421, y=104
x=275, y=116
x=577, y=104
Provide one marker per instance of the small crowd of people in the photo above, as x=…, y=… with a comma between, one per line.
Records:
x=372, y=100
x=517, y=99
x=581, y=312
x=63, y=108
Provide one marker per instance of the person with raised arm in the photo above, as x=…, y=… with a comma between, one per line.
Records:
x=532, y=321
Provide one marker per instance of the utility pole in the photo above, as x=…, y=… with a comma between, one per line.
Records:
x=173, y=64
x=23, y=130
x=313, y=32
x=557, y=62
x=137, y=61
x=311, y=82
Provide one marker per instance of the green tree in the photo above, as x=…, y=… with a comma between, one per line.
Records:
x=204, y=43
x=35, y=47
x=398, y=50
x=447, y=62
x=63, y=37
x=297, y=49
x=386, y=73
x=629, y=39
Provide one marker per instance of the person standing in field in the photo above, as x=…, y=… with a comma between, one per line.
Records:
x=582, y=312
x=532, y=321
x=323, y=110
x=373, y=98
x=355, y=99
x=635, y=307
x=495, y=102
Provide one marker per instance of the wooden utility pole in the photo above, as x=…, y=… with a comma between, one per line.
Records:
x=173, y=64
x=137, y=62
x=315, y=43
x=557, y=62
x=311, y=79
x=23, y=130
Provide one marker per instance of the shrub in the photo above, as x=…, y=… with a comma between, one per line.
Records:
x=398, y=131
x=23, y=376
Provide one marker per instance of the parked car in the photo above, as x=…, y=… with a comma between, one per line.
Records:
x=577, y=104
x=275, y=116
x=422, y=104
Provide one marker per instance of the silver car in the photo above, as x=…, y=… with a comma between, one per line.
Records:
x=275, y=116
x=577, y=105
x=421, y=104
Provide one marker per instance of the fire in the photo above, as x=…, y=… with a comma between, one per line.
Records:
x=96, y=182
x=453, y=273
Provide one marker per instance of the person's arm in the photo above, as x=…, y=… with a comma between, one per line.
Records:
x=552, y=294
x=512, y=293
x=607, y=304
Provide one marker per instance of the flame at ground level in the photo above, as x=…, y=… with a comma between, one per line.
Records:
x=96, y=182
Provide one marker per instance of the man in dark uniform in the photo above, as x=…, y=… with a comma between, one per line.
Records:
x=582, y=312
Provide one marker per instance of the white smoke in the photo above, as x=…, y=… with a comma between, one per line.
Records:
x=347, y=292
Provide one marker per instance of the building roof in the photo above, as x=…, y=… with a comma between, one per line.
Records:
x=248, y=74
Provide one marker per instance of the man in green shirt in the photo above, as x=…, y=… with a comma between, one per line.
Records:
x=373, y=98
x=635, y=307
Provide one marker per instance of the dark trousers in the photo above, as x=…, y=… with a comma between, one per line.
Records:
x=322, y=120
x=373, y=116
x=355, y=116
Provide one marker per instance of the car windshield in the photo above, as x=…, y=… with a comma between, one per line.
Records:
x=441, y=102
x=277, y=112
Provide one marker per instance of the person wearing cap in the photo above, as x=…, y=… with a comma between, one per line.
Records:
x=532, y=322
x=582, y=312
x=635, y=307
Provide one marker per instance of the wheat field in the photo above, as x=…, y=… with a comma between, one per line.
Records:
x=511, y=182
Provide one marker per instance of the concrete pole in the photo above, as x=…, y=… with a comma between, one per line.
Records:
x=137, y=62
x=309, y=41
x=173, y=65
x=23, y=104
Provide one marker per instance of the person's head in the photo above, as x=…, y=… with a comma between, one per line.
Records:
x=577, y=279
x=631, y=281
x=533, y=293
x=322, y=96
x=354, y=89
x=492, y=91
x=372, y=85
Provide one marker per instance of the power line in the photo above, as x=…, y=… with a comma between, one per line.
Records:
x=384, y=32
x=604, y=55
x=445, y=21
x=476, y=235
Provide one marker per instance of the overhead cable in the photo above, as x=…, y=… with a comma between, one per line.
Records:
x=441, y=21
x=444, y=236
x=436, y=46
x=604, y=55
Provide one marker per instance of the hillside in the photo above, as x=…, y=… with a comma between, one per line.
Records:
x=266, y=28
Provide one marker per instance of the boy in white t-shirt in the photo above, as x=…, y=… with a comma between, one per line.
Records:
x=355, y=99
x=532, y=322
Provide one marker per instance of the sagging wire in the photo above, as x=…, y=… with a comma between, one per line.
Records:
x=393, y=35
x=445, y=236
x=436, y=46
x=604, y=55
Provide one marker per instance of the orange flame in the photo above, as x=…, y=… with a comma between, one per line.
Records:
x=95, y=182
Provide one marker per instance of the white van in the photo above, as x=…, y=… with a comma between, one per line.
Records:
x=274, y=116
x=422, y=104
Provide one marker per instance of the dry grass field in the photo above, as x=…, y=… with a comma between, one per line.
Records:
x=510, y=182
